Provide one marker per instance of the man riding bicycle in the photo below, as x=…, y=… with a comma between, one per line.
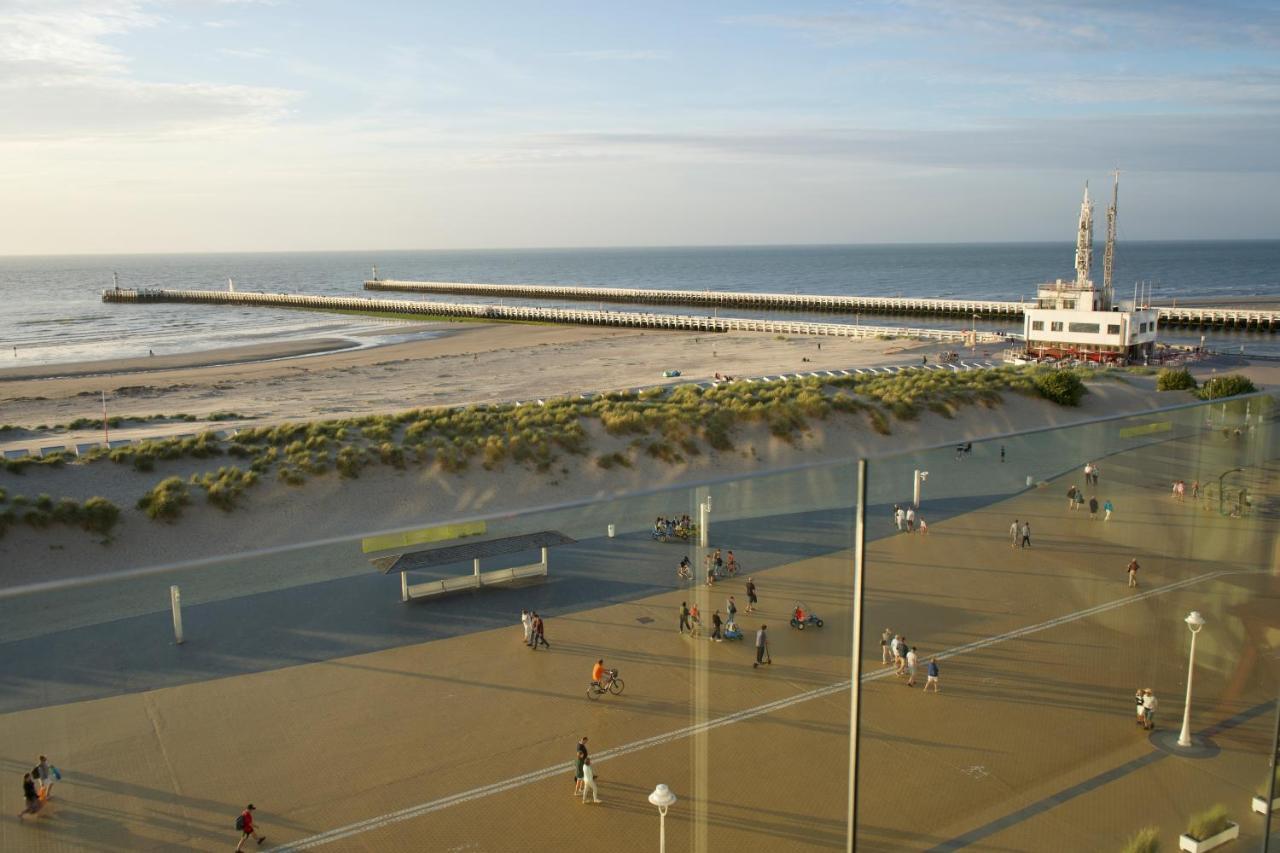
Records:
x=599, y=675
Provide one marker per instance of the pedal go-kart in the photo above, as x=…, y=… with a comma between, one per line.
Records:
x=801, y=617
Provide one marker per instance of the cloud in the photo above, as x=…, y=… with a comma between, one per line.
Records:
x=620, y=55
x=60, y=77
x=1240, y=143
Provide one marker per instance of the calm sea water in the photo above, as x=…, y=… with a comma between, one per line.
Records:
x=50, y=307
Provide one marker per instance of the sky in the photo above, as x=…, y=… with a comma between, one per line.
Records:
x=276, y=125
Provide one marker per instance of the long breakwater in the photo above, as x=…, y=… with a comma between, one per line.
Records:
x=1194, y=317
x=530, y=314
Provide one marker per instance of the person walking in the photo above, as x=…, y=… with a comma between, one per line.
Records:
x=1071, y=497
x=911, y=519
x=899, y=655
x=47, y=774
x=731, y=608
x=762, y=647
x=539, y=633
x=244, y=823
x=1088, y=473
x=30, y=797
x=1093, y=507
x=924, y=526
x=1195, y=489
x=931, y=676
x=1137, y=707
x=912, y=660
x=899, y=517
x=1094, y=473
x=1014, y=531
x=1149, y=705
x=1026, y=534
x=578, y=764
x=695, y=620
x=1133, y=573
x=684, y=618
x=1002, y=454
x=716, y=622
x=526, y=620
x=1107, y=509
x=730, y=564
x=751, y=595
x=589, y=779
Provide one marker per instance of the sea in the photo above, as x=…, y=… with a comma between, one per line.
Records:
x=51, y=310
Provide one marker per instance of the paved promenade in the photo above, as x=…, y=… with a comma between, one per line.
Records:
x=451, y=735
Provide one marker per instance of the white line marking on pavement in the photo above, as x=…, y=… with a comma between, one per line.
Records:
x=421, y=809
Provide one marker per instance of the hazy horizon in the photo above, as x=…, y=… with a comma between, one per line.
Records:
x=230, y=126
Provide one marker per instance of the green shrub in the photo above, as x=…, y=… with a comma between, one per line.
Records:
x=291, y=476
x=879, y=422
x=391, y=454
x=1208, y=823
x=349, y=461
x=165, y=501
x=224, y=488
x=66, y=511
x=1226, y=386
x=1060, y=386
x=1179, y=379
x=99, y=515
x=1145, y=840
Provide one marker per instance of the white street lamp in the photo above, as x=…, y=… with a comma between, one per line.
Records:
x=663, y=799
x=1194, y=623
x=917, y=481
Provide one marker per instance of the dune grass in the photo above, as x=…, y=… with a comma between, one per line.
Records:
x=665, y=424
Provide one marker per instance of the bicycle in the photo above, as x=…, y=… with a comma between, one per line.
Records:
x=611, y=683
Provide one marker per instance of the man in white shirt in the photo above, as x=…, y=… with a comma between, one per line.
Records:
x=527, y=621
x=912, y=660
x=1149, y=705
x=589, y=783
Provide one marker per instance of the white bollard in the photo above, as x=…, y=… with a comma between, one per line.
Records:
x=612, y=531
x=1031, y=481
x=175, y=602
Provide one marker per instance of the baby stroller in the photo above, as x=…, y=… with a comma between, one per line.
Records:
x=801, y=617
x=731, y=631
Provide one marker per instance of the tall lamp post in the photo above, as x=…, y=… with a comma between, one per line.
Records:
x=1194, y=623
x=919, y=479
x=663, y=799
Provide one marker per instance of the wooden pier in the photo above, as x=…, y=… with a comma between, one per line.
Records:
x=1207, y=318
x=522, y=313
x=717, y=298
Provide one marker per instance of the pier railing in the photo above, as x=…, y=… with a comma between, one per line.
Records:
x=531, y=314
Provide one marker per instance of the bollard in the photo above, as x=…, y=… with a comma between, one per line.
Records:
x=612, y=531
x=175, y=601
x=1031, y=481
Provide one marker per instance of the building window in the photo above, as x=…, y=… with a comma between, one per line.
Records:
x=1084, y=328
x=1113, y=328
x=1068, y=304
x=1055, y=326
x=1142, y=328
x=1037, y=325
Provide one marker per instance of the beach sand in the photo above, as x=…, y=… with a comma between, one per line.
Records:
x=463, y=363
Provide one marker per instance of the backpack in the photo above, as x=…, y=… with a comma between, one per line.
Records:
x=240, y=823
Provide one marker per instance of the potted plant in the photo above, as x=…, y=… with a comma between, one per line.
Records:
x=1260, y=801
x=1207, y=830
x=1145, y=840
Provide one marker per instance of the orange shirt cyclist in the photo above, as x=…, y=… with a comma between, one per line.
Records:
x=597, y=672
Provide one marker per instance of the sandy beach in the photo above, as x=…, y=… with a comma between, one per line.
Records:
x=459, y=364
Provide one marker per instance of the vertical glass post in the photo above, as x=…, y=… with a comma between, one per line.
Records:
x=855, y=686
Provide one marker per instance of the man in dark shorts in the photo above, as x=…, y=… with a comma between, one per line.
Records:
x=751, y=595
x=582, y=757
x=246, y=827
x=29, y=797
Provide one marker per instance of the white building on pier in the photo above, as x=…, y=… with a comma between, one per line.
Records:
x=1077, y=319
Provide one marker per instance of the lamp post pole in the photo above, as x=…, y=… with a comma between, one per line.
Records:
x=663, y=799
x=1194, y=623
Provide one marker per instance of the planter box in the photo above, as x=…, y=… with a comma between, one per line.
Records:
x=1260, y=804
x=1186, y=842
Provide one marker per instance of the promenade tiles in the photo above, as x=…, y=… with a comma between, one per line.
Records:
x=323, y=745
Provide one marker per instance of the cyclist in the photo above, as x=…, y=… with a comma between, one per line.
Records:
x=686, y=568
x=598, y=673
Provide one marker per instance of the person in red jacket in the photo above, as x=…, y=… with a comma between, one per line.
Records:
x=246, y=827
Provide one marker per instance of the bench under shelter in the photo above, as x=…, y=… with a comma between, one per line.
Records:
x=416, y=561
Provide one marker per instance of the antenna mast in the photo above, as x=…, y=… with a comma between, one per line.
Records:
x=1084, y=241
x=1109, y=256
